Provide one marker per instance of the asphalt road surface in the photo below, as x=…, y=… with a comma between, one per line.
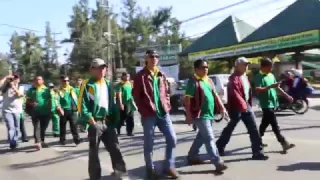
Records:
x=70, y=162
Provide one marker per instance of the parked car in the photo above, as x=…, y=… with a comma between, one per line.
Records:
x=220, y=82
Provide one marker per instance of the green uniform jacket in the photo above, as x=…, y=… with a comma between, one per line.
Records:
x=56, y=100
x=64, y=98
x=87, y=107
x=42, y=96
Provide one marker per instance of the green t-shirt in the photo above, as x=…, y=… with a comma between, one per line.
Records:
x=246, y=86
x=156, y=94
x=126, y=92
x=267, y=99
x=207, y=108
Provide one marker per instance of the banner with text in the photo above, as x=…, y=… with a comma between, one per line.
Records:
x=294, y=40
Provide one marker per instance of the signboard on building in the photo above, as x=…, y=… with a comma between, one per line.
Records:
x=168, y=53
x=293, y=40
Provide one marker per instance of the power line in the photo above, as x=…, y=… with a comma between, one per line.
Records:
x=18, y=27
x=198, y=34
x=259, y=6
x=215, y=11
x=181, y=22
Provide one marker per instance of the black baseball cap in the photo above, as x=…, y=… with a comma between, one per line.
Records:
x=152, y=52
x=266, y=62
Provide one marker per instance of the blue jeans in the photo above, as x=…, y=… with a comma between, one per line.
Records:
x=205, y=136
x=12, y=122
x=165, y=126
x=249, y=121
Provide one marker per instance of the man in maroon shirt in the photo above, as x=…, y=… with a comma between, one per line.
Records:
x=151, y=95
x=239, y=107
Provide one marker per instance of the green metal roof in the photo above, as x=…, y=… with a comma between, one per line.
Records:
x=229, y=32
x=302, y=15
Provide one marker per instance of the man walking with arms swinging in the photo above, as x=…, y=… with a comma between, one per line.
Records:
x=97, y=107
x=267, y=87
x=151, y=95
x=239, y=107
x=201, y=101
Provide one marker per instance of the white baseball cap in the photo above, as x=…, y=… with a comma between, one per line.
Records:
x=242, y=60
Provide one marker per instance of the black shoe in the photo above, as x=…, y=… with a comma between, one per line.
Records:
x=286, y=146
x=62, y=142
x=130, y=134
x=13, y=146
x=44, y=145
x=220, y=167
x=56, y=135
x=264, y=145
x=25, y=140
x=77, y=141
x=261, y=157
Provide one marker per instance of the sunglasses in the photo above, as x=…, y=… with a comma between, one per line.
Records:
x=203, y=67
x=154, y=56
x=65, y=80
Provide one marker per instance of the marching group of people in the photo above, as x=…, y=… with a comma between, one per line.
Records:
x=102, y=109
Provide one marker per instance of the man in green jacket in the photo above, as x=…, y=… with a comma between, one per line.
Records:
x=55, y=115
x=68, y=102
x=97, y=107
x=42, y=106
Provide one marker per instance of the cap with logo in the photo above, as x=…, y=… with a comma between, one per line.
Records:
x=242, y=60
x=97, y=62
x=152, y=52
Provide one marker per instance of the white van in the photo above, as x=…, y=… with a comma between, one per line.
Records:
x=220, y=82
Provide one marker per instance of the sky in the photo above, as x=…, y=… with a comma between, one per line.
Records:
x=32, y=15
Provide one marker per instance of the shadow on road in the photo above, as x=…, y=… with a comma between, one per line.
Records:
x=311, y=166
x=283, y=129
x=65, y=156
x=315, y=108
x=26, y=149
x=131, y=148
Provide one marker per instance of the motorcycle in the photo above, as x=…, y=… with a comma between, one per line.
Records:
x=300, y=105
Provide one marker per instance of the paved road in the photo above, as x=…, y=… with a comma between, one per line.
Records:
x=70, y=162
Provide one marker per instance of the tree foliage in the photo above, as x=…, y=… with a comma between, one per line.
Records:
x=89, y=28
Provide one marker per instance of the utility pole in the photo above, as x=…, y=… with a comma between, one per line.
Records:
x=105, y=4
x=119, y=49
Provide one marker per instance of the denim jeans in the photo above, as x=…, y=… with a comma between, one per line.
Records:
x=165, y=126
x=205, y=136
x=12, y=122
x=249, y=121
